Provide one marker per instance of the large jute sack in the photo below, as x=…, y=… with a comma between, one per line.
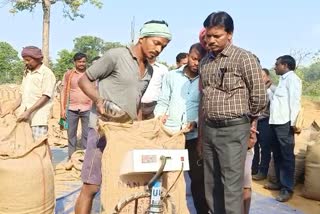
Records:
x=26, y=173
x=312, y=172
x=307, y=137
x=122, y=138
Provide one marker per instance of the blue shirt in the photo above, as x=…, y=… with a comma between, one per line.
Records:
x=179, y=99
x=285, y=103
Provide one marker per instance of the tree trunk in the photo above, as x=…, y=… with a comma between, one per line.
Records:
x=46, y=5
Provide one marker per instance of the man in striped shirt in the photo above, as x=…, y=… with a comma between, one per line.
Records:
x=233, y=96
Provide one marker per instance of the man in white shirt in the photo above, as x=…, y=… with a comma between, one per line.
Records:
x=284, y=109
x=151, y=95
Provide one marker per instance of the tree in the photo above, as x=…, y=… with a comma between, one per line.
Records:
x=64, y=63
x=11, y=66
x=93, y=46
x=300, y=56
x=71, y=10
x=90, y=45
x=109, y=45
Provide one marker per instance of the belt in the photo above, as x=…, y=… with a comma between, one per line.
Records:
x=227, y=122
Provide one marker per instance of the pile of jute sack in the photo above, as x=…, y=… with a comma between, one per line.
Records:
x=307, y=161
x=27, y=175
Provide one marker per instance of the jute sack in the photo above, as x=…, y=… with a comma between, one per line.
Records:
x=299, y=122
x=307, y=137
x=298, y=173
x=122, y=138
x=312, y=171
x=26, y=174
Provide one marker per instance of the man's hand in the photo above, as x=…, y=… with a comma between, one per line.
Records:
x=296, y=130
x=63, y=114
x=252, y=139
x=191, y=126
x=100, y=106
x=199, y=148
x=24, y=117
x=164, y=119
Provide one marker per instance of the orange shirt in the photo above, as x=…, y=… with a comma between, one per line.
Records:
x=78, y=101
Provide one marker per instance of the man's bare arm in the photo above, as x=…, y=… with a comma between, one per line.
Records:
x=91, y=91
x=39, y=104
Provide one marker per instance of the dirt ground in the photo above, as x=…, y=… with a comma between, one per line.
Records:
x=297, y=202
x=311, y=113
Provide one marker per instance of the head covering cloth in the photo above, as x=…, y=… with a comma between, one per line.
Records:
x=32, y=51
x=155, y=30
x=202, y=35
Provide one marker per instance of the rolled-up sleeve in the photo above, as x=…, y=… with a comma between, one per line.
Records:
x=48, y=84
x=164, y=98
x=103, y=67
x=253, y=78
x=295, y=91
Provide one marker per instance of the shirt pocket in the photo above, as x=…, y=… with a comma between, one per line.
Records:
x=228, y=79
x=280, y=92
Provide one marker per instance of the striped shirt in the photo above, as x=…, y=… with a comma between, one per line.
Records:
x=232, y=84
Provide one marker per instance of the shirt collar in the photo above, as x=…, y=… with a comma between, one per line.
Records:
x=183, y=73
x=227, y=51
x=134, y=57
x=35, y=71
x=284, y=76
x=156, y=64
x=76, y=71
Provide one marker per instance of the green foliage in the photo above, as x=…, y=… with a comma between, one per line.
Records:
x=11, y=66
x=312, y=72
x=109, y=45
x=93, y=46
x=64, y=63
x=274, y=77
x=311, y=88
x=71, y=8
x=90, y=45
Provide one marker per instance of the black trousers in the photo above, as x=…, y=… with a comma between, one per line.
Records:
x=283, y=155
x=262, y=149
x=197, y=177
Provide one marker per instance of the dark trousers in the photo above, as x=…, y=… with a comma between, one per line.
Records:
x=73, y=118
x=147, y=110
x=262, y=149
x=196, y=177
x=283, y=155
x=224, y=154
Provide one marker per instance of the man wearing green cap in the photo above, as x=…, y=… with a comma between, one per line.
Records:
x=123, y=75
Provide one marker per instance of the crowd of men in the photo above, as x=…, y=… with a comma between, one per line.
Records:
x=218, y=92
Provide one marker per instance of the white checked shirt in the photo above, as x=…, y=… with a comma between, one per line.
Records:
x=285, y=103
